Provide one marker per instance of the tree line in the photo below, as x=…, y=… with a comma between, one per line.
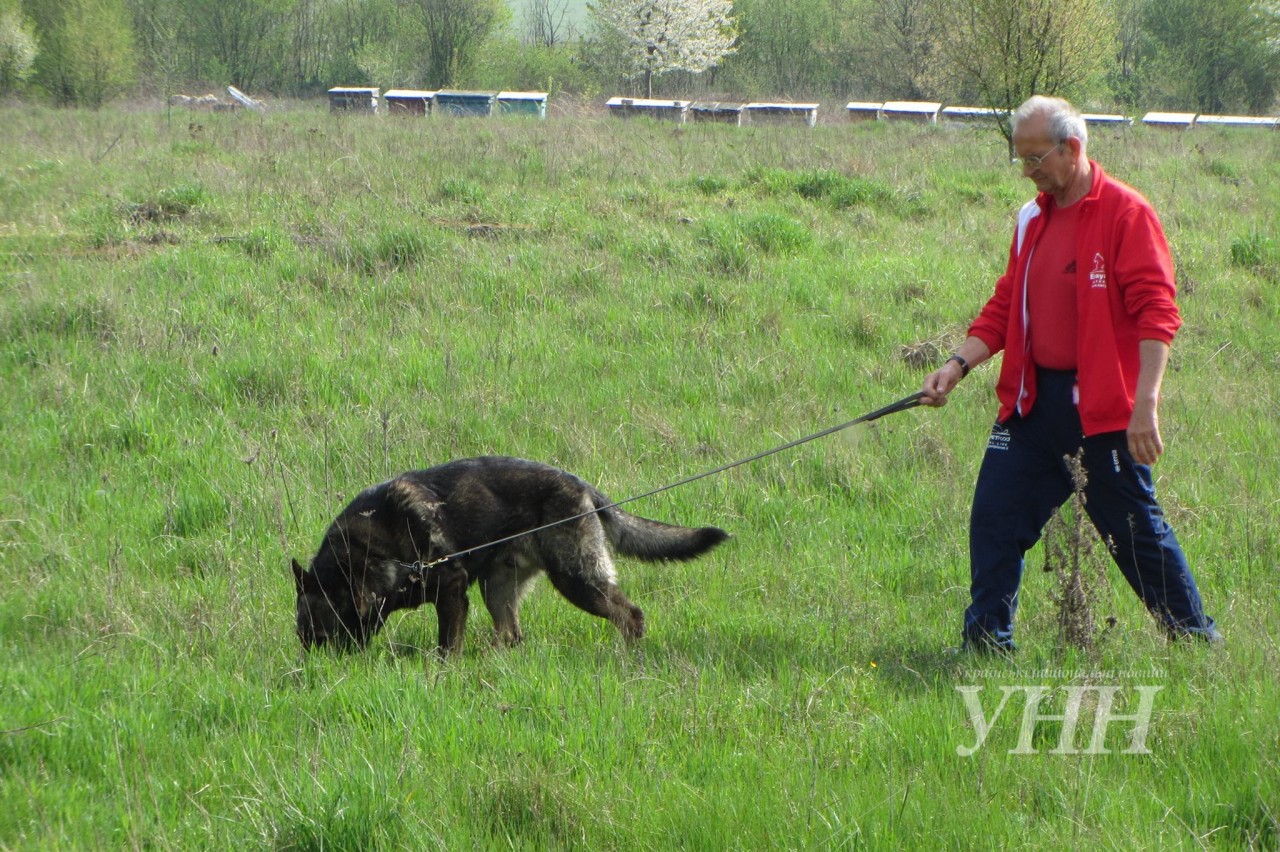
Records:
x=1210, y=56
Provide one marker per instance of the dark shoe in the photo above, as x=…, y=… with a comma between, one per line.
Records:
x=987, y=645
x=1209, y=635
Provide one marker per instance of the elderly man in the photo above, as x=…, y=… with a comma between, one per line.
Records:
x=1084, y=315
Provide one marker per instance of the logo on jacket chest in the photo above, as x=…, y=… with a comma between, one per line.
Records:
x=1098, y=276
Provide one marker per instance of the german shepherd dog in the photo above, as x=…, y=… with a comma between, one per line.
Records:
x=370, y=563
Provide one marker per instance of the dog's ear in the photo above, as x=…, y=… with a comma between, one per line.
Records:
x=414, y=499
x=297, y=575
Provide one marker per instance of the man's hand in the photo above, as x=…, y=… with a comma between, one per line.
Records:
x=939, y=383
x=1144, y=425
x=943, y=380
x=1144, y=434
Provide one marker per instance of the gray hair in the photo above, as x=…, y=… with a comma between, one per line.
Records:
x=1065, y=121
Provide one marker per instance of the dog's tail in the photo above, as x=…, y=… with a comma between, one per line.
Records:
x=632, y=535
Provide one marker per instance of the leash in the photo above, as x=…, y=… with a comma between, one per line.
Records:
x=418, y=569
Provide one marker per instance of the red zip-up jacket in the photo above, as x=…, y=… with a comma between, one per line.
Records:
x=1124, y=293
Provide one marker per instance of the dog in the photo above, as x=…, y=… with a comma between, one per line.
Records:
x=495, y=521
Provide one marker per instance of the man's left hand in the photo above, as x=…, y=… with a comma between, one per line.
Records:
x=1144, y=435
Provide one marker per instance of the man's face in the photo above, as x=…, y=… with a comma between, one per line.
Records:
x=1056, y=167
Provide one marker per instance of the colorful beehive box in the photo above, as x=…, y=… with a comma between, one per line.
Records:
x=408, y=102
x=461, y=103
x=863, y=110
x=923, y=112
x=718, y=112
x=653, y=108
x=353, y=99
x=1170, y=120
x=530, y=104
x=780, y=113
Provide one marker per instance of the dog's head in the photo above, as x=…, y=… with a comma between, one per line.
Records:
x=359, y=574
x=340, y=615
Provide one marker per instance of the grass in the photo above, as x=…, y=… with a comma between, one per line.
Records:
x=213, y=333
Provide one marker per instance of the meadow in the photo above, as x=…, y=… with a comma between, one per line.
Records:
x=215, y=329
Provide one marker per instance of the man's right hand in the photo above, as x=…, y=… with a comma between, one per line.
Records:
x=939, y=383
x=943, y=380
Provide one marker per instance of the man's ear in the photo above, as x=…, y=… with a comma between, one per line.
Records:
x=297, y=575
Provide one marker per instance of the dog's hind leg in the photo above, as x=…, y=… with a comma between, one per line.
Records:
x=578, y=564
x=603, y=598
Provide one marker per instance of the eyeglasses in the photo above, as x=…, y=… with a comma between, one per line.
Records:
x=1034, y=162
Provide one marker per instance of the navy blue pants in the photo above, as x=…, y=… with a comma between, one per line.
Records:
x=1024, y=479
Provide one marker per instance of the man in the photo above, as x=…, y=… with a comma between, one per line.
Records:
x=1084, y=314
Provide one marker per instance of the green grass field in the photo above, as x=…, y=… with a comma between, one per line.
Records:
x=216, y=329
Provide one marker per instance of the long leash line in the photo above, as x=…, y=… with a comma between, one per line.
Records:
x=419, y=568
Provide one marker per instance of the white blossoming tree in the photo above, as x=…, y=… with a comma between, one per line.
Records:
x=658, y=36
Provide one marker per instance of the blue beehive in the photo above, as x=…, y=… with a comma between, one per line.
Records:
x=1260, y=121
x=408, y=101
x=1094, y=119
x=532, y=104
x=1170, y=120
x=353, y=99
x=454, y=102
x=780, y=113
x=967, y=116
x=863, y=110
x=922, y=112
x=716, y=111
x=670, y=110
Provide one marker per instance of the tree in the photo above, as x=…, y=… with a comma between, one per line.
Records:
x=237, y=40
x=17, y=47
x=394, y=61
x=1213, y=57
x=1005, y=51
x=163, y=44
x=546, y=23
x=455, y=30
x=659, y=36
x=899, y=42
x=359, y=41
x=506, y=62
x=789, y=48
x=86, y=49
x=1132, y=52
x=332, y=41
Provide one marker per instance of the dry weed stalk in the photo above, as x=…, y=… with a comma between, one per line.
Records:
x=1077, y=556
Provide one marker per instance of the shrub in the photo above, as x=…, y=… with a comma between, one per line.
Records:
x=710, y=184
x=775, y=234
x=1255, y=250
x=399, y=248
x=461, y=190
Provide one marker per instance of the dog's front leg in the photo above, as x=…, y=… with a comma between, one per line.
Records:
x=451, y=607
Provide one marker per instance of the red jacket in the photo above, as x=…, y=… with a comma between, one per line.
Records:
x=1124, y=294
